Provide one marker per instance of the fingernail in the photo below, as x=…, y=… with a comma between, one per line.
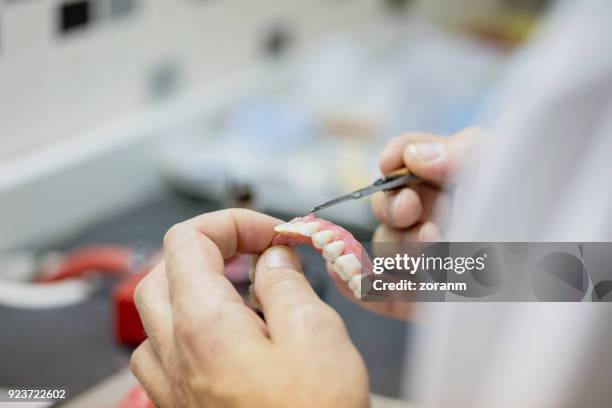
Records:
x=426, y=151
x=280, y=256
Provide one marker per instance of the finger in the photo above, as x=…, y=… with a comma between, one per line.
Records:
x=292, y=309
x=195, y=250
x=423, y=232
x=197, y=247
x=152, y=301
x=391, y=158
x=403, y=208
x=436, y=203
x=398, y=209
x=237, y=230
x=147, y=369
x=439, y=160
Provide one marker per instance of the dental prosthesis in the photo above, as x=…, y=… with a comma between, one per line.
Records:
x=338, y=246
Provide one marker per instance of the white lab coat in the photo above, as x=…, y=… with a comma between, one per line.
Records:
x=547, y=176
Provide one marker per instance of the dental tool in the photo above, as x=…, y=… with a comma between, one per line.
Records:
x=396, y=179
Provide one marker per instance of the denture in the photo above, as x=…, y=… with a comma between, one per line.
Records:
x=338, y=246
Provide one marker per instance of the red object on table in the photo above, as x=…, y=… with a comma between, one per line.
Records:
x=106, y=259
x=136, y=398
x=128, y=327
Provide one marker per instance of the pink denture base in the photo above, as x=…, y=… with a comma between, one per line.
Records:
x=351, y=245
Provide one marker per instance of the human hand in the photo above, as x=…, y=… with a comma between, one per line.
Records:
x=416, y=214
x=207, y=348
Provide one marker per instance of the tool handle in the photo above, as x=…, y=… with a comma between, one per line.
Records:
x=397, y=178
x=396, y=173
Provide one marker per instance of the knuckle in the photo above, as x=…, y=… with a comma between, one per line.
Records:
x=184, y=332
x=174, y=233
x=214, y=313
x=140, y=293
x=331, y=319
x=306, y=316
x=190, y=325
x=136, y=360
x=317, y=318
x=278, y=280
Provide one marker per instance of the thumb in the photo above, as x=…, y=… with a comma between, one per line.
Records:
x=284, y=293
x=439, y=159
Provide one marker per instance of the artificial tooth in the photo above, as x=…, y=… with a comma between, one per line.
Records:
x=346, y=266
x=333, y=250
x=301, y=228
x=322, y=238
x=355, y=285
x=340, y=271
x=290, y=227
x=308, y=228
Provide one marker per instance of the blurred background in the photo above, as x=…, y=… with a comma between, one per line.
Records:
x=119, y=118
